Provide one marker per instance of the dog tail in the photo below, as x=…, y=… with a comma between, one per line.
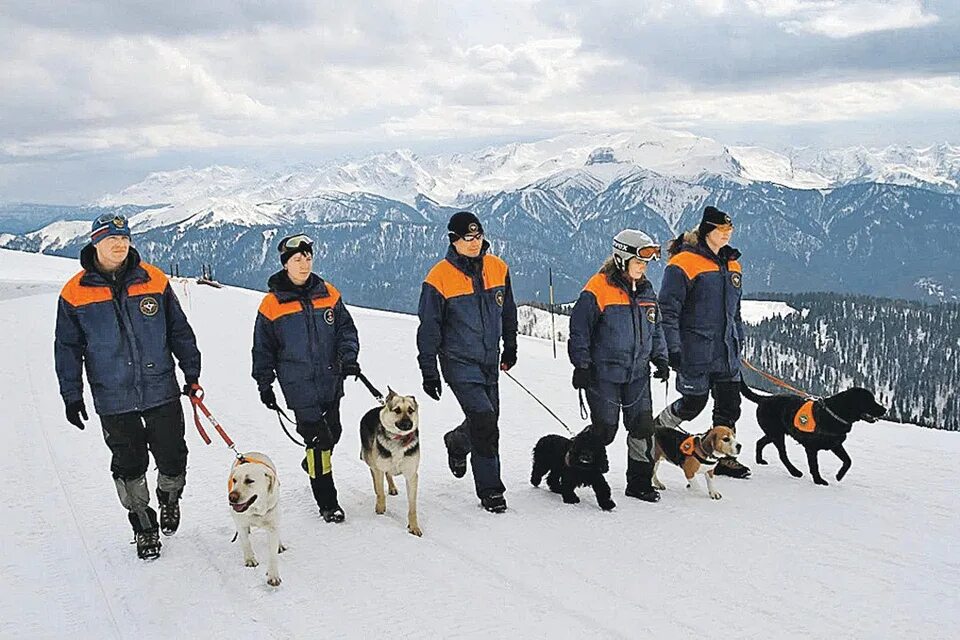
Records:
x=750, y=394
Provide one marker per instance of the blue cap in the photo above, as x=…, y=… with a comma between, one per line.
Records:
x=109, y=224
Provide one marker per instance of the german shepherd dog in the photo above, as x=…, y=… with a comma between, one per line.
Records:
x=390, y=445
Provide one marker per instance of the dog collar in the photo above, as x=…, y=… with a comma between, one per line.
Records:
x=689, y=447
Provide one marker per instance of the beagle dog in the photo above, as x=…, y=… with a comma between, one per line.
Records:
x=694, y=453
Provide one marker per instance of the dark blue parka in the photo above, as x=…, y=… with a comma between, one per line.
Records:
x=466, y=307
x=302, y=337
x=125, y=331
x=615, y=330
x=700, y=303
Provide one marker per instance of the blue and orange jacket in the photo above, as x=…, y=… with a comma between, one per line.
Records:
x=302, y=337
x=615, y=330
x=125, y=333
x=700, y=302
x=466, y=307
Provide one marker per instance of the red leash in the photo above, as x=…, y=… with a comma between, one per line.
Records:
x=196, y=399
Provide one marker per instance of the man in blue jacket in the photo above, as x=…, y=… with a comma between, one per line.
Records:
x=466, y=308
x=120, y=319
x=700, y=303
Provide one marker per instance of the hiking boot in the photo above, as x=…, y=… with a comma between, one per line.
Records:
x=147, y=538
x=169, y=512
x=732, y=468
x=332, y=514
x=494, y=503
x=457, y=463
x=646, y=494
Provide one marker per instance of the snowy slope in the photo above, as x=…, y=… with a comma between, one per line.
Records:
x=778, y=557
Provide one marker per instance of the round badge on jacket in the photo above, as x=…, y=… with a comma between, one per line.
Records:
x=652, y=314
x=328, y=316
x=499, y=298
x=735, y=279
x=149, y=306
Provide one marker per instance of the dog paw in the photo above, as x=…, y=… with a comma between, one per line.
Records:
x=608, y=506
x=273, y=581
x=571, y=499
x=715, y=495
x=381, y=507
x=250, y=562
x=392, y=491
x=796, y=473
x=821, y=482
x=658, y=485
x=281, y=548
x=415, y=530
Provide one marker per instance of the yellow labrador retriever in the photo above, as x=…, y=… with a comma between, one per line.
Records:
x=254, y=498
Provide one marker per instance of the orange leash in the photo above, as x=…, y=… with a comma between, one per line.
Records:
x=775, y=380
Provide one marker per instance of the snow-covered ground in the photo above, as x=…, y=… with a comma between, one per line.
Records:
x=875, y=556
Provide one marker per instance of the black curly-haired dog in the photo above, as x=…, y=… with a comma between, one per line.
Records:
x=571, y=463
x=820, y=425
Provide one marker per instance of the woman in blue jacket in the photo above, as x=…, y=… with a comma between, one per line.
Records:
x=700, y=303
x=305, y=338
x=615, y=335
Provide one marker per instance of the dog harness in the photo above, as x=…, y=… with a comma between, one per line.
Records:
x=689, y=448
x=805, y=420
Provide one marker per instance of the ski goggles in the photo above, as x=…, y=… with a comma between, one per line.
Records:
x=722, y=228
x=109, y=224
x=472, y=237
x=293, y=243
x=644, y=254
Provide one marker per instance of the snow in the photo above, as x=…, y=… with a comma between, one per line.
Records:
x=755, y=311
x=873, y=556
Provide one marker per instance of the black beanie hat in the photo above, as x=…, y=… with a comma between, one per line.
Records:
x=712, y=217
x=462, y=223
x=303, y=245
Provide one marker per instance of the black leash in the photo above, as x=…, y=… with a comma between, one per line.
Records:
x=280, y=418
x=540, y=402
x=372, y=389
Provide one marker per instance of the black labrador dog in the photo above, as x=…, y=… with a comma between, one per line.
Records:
x=820, y=425
x=571, y=463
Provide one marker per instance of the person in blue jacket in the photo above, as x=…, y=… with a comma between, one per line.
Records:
x=615, y=335
x=120, y=319
x=305, y=338
x=700, y=303
x=466, y=308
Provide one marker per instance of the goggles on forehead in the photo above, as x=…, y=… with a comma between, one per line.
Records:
x=295, y=242
x=724, y=228
x=116, y=219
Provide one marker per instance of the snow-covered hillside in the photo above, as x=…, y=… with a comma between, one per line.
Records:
x=872, y=557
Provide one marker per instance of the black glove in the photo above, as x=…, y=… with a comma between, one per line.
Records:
x=350, y=369
x=663, y=368
x=192, y=388
x=508, y=358
x=432, y=387
x=269, y=398
x=675, y=360
x=581, y=378
x=76, y=410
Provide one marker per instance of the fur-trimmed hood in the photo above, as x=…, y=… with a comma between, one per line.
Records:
x=691, y=241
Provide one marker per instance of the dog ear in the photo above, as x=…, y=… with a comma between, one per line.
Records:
x=413, y=401
x=709, y=442
x=270, y=480
x=390, y=393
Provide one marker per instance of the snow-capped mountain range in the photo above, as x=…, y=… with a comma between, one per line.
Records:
x=840, y=218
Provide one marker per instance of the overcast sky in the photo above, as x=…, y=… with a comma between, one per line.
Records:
x=93, y=95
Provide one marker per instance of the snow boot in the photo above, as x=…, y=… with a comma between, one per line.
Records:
x=146, y=533
x=639, y=481
x=169, y=512
x=332, y=514
x=732, y=468
x=494, y=502
x=456, y=461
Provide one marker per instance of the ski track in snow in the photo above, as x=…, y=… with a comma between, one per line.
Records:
x=874, y=556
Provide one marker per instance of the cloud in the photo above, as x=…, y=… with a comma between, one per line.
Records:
x=144, y=83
